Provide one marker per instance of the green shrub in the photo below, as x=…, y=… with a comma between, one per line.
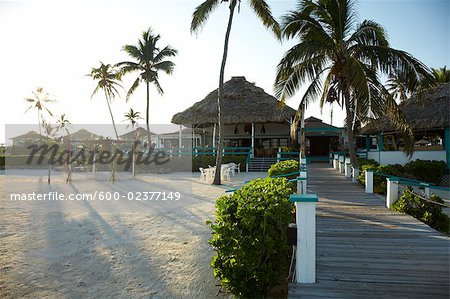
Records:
x=379, y=182
x=423, y=210
x=284, y=167
x=427, y=171
x=250, y=237
x=364, y=161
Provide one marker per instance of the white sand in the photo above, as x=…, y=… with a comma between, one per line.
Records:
x=86, y=251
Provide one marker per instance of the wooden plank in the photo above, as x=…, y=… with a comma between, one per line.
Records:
x=366, y=250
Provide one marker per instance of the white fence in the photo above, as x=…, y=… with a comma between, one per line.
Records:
x=399, y=157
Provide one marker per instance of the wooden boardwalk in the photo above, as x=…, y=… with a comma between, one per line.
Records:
x=367, y=251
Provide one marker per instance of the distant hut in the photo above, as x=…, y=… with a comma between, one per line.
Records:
x=429, y=116
x=321, y=139
x=32, y=137
x=251, y=118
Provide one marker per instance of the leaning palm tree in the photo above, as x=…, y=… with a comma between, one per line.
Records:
x=199, y=17
x=342, y=61
x=39, y=101
x=107, y=80
x=149, y=61
x=132, y=117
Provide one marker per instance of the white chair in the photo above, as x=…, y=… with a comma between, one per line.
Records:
x=227, y=172
x=238, y=168
x=203, y=174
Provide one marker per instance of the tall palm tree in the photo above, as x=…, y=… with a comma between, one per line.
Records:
x=39, y=101
x=132, y=117
x=149, y=61
x=107, y=80
x=63, y=124
x=199, y=17
x=342, y=61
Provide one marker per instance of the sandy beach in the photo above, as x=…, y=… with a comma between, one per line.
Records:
x=83, y=250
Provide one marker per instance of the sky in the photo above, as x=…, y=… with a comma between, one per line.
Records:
x=54, y=44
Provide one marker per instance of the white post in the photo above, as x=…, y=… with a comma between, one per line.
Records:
x=427, y=189
x=392, y=191
x=305, y=205
x=279, y=154
x=355, y=174
x=369, y=181
x=336, y=162
x=302, y=183
x=348, y=168
x=253, y=140
x=342, y=164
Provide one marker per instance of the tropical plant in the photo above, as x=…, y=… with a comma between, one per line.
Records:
x=149, y=61
x=132, y=117
x=250, y=237
x=441, y=75
x=39, y=101
x=343, y=61
x=107, y=80
x=199, y=18
x=63, y=123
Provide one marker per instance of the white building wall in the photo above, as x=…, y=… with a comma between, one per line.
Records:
x=399, y=157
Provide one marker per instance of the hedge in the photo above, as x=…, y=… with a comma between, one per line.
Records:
x=250, y=237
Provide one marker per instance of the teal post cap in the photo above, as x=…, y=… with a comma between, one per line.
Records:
x=304, y=198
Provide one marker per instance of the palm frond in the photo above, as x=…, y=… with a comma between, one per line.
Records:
x=201, y=14
x=263, y=11
x=133, y=88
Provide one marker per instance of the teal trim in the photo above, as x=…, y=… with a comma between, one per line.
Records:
x=303, y=198
x=298, y=179
x=447, y=145
x=380, y=142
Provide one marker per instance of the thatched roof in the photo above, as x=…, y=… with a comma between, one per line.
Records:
x=244, y=102
x=430, y=111
x=316, y=123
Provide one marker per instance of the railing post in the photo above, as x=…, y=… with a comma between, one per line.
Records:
x=392, y=191
x=279, y=154
x=369, y=181
x=342, y=164
x=355, y=174
x=427, y=189
x=348, y=168
x=305, y=205
x=302, y=182
x=330, y=159
x=336, y=162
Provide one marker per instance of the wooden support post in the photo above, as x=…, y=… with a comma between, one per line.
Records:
x=305, y=205
x=392, y=191
x=336, y=162
x=369, y=181
x=253, y=140
x=279, y=154
x=341, y=164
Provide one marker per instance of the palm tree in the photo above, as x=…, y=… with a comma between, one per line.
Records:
x=39, y=101
x=63, y=123
x=342, y=61
x=199, y=17
x=107, y=80
x=149, y=60
x=441, y=75
x=132, y=117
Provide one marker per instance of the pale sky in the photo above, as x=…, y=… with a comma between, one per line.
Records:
x=53, y=44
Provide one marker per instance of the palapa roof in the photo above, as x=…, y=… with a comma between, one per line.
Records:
x=244, y=102
x=317, y=124
x=430, y=111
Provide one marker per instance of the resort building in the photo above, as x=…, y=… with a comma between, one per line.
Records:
x=32, y=137
x=430, y=118
x=254, y=119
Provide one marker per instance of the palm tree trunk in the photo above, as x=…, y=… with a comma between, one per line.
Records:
x=348, y=121
x=147, y=115
x=220, y=96
x=110, y=113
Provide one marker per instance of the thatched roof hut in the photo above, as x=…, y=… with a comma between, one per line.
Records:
x=430, y=111
x=244, y=102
